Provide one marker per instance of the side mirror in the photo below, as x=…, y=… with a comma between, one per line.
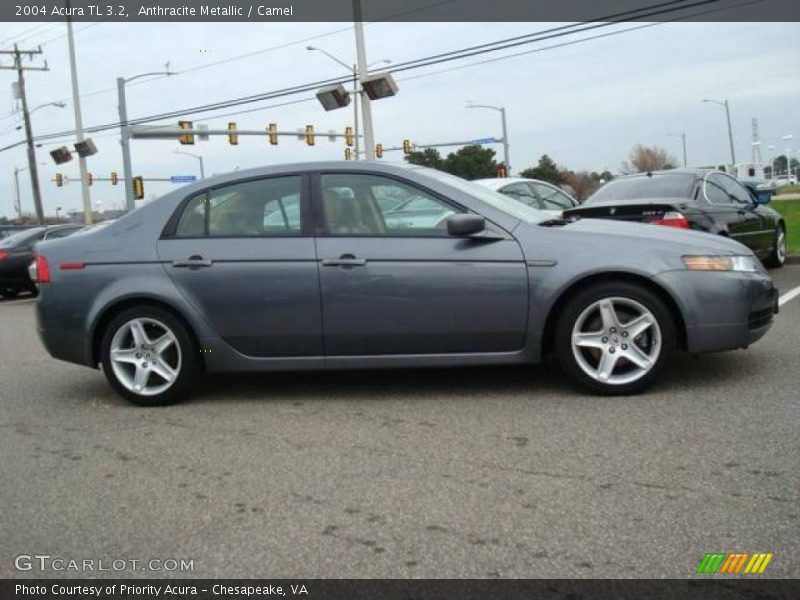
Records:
x=763, y=196
x=464, y=225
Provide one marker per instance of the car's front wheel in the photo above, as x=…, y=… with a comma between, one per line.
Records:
x=778, y=256
x=148, y=356
x=614, y=338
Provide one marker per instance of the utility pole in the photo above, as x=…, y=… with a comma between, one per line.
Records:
x=37, y=194
x=76, y=102
x=361, y=60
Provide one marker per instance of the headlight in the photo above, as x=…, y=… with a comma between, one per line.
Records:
x=721, y=263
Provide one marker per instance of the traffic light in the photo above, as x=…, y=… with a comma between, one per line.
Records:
x=379, y=150
x=114, y=178
x=138, y=188
x=502, y=171
x=89, y=179
x=233, y=138
x=310, y=135
x=59, y=180
x=406, y=146
x=349, y=138
x=348, y=154
x=273, y=134
x=187, y=138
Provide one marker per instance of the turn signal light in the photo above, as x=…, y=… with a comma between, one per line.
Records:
x=672, y=218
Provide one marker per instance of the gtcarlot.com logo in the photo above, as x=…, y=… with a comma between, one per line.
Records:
x=45, y=562
x=732, y=563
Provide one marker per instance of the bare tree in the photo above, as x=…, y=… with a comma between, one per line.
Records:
x=648, y=158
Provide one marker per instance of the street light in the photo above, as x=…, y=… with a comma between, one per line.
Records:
x=730, y=131
x=502, y=111
x=356, y=92
x=56, y=104
x=127, y=173
x=17, y=195
x=198, y=157
x=787, y=138
x=683, y=139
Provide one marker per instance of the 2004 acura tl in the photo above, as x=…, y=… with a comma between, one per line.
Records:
x=341, y=265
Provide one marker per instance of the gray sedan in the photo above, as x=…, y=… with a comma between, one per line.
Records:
x=313, y=266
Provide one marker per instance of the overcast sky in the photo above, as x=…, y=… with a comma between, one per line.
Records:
x=585, y=105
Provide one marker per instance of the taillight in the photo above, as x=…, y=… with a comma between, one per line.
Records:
x=672, y=218
x=3, y=255
x=42, y=273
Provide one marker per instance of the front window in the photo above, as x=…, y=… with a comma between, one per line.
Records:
x=373, y=205
x=644, y=187
x=496, y=200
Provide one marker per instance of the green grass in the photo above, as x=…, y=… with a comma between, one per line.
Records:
x=789, y=189
x=790, y=209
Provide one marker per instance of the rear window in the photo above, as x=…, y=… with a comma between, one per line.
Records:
x=21, y=237
x=640, y=187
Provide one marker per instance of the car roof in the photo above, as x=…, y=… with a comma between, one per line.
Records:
x=498, y=182
x=697, y=172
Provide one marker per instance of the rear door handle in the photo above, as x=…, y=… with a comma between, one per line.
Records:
x=194, y=261
x=345, y=260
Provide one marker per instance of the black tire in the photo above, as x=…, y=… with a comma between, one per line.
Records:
x=777, y=258
x=575, y=308
x=190, y=365
x=9, y=292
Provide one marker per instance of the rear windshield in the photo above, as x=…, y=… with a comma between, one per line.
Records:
x=669, y=185
x=20, y=237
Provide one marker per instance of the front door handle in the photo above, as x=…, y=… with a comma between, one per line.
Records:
x=345, y=260
x=192, y=261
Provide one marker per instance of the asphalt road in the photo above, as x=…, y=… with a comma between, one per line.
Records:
x=446, y=473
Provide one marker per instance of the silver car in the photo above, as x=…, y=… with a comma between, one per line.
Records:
x=340, y=265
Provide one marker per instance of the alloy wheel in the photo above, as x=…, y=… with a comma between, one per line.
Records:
x=616, y=340
x=145, y=356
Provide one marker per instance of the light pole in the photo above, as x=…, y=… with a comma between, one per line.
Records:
x=17, y=194
x=683, y=139
x=125, y=135
x=502, y=111
x=361, y=64
x=788, y=138
x=198, y=157
x=58, y=210
x=76, y=103
x=356, y=91
x=730, y=131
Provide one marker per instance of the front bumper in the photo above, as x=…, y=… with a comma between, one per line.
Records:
x=722, y=311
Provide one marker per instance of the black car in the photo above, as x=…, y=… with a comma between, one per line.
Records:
x=16, y=253
x=699, y=199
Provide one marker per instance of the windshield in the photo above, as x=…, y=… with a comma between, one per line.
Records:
x=639, y=187
x=494, y=199
x=20, y=237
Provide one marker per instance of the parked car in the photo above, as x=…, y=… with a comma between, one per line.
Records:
x=532, y=192
x=699, y=199
x=16, y=253
x=190, y=283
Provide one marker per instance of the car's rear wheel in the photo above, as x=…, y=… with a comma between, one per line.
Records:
x=148, y=356
x=778, y=256
x=614, y=338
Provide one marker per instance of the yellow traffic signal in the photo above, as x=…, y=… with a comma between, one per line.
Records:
x=349, y=139
x=187, y=138
x=310, y=135
x=273, y=134
x=233, y=138
x=406, y=146
x=348, y=154
x=59, y=179
x=114, y=178
x=89, y=179
x=379, y=150
x=138, y=188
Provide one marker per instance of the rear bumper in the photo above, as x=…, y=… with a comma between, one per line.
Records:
x=722, y=311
